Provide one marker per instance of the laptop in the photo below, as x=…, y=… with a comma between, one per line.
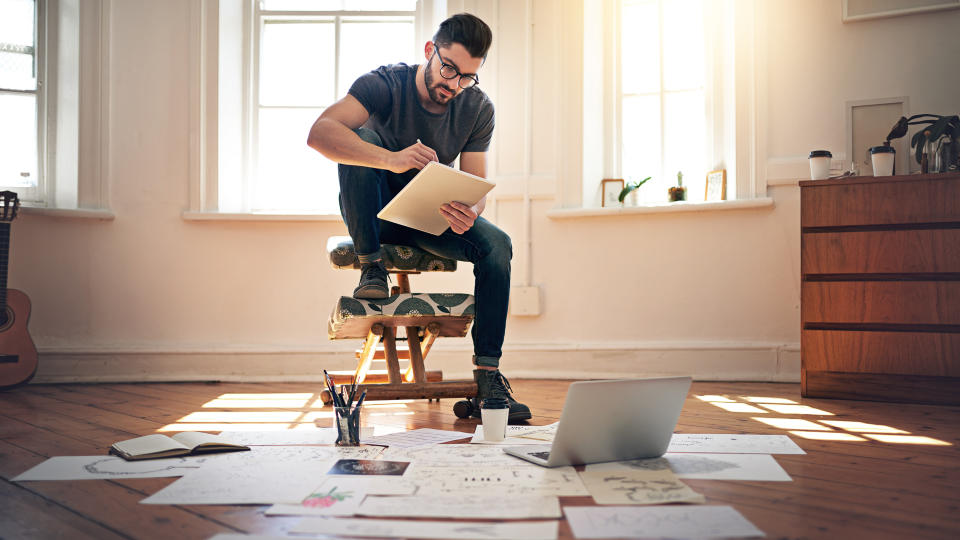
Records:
x=614, y=420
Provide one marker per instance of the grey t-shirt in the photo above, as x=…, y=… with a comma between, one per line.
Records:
x=389, y=94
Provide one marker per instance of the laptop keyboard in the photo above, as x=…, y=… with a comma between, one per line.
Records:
x=541, y=455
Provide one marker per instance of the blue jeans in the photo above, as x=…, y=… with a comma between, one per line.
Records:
x=365, y=191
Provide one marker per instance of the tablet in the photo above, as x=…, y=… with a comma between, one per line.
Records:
x=418, y=204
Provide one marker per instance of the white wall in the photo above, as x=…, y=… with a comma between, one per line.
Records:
x=149, y=296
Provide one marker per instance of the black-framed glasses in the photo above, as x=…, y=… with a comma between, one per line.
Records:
x=450, y=72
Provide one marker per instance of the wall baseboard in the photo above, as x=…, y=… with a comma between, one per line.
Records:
x=768, y=362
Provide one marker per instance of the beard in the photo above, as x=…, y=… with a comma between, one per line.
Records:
x=433, y=87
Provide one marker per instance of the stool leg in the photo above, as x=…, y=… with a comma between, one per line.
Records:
x=369, y=350
x=416, y=354
x=429, y=336
x=390, y=354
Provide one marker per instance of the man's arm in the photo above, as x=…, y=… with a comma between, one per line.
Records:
x=333, y=136
x=460, y=216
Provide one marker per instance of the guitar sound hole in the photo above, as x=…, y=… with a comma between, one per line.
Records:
x=6, y=319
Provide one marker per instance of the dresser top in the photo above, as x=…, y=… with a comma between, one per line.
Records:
x=879, y=179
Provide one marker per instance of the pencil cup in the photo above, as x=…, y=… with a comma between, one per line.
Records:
x=347, y=420
x=494, y=414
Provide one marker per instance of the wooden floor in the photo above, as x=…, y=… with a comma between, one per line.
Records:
x=841, y=488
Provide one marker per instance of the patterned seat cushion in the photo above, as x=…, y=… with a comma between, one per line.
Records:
x=353, y=317
x=395, y=257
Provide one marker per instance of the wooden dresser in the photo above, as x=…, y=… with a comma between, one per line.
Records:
x=880, y=291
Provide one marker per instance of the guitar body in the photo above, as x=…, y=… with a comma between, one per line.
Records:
x=18, y=354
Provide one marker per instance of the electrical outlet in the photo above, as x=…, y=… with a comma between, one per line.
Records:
x=525, y=300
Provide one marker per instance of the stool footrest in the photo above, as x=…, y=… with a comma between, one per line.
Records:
x=434, y=390
x=379, y=376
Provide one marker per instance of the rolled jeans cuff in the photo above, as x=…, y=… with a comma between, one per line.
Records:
x=486, y=361
x=365, y=258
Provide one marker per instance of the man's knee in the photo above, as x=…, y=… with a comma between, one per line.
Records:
x=370, y=136
x=499, y=246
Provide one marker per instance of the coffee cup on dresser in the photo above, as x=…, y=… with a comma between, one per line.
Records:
x=882, y=159
x=820, y=164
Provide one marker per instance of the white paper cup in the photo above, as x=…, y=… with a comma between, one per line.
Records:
x=882, y=159
x=494, y=424
x=820, y=164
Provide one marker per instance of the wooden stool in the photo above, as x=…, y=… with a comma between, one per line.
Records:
x=424, y=317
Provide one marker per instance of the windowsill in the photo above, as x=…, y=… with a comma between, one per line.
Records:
x=257, y=216
x=70, y=213
x=660, y=208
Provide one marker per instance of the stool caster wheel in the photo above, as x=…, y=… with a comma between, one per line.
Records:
x=463, y=408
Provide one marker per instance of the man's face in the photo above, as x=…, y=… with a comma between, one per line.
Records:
x=442, y=90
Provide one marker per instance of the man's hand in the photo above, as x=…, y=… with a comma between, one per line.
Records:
x=415, y=156
x=459, y=216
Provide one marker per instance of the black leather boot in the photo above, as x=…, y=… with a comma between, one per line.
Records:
x=492, y=384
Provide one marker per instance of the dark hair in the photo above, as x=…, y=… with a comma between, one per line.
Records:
x=467, y=30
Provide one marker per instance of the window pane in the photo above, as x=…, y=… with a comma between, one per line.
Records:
x=359, y=56
x=17, y=45
x=640, y=47
x=640, y=153
x=380, y=5
x=301, y=5
x=18, y=140
x=292, y=176
x=684, y=136
x=683, y=45
x=335, y=5
x=297, y=63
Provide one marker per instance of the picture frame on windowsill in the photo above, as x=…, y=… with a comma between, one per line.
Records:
x=716, y=188
x=610, y=192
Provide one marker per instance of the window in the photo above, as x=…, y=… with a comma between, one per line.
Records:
x=662, y=115
x=20, y=81
x=304, y=55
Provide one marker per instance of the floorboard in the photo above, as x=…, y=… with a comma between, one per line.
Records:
x=841, y=489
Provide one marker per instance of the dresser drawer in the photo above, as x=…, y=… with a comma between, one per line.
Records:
x=881, y=252
x=916, y=353
x=881, y=302
x=882, y=201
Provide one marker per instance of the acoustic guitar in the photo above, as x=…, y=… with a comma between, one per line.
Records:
x=18, y=354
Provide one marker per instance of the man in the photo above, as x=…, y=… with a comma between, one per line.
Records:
x=394, y=121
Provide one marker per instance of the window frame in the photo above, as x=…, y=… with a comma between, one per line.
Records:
x=37, y=194
x=734, y=96
x=208, y=184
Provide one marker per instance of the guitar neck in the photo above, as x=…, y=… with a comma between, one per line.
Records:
x=4, y=257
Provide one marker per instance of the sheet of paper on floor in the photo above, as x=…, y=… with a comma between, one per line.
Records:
x=290, y=437
x=110, y=467
x=758, y=467
x=371, y=485
x=266, y=455
x=638, y=486
x=325, y=501
x=417, y=437
x=726, y=443
x=512, y=438
x=456, y=455
x=463, y=505
x=267, y=483
x=558, y=481
x=658, y=522
x=464, y=530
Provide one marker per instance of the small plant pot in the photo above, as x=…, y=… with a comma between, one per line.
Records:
x=677, y=193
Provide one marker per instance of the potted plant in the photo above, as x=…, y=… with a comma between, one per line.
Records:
x=937, y=146
x=631, y=187
x=678, y=192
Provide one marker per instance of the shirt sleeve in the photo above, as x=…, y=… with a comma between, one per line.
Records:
x=372, y=91
x=479, y=140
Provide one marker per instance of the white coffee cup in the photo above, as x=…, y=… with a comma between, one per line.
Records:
x=494, y=424
x=882, y=159
x=820, y=164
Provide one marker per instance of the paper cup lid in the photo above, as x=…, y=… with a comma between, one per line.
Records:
x=882, y=150
x=820, y=153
